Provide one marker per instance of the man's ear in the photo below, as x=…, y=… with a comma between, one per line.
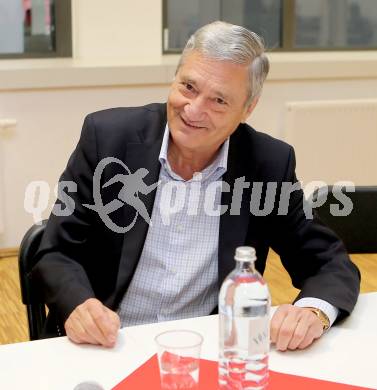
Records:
x=250, y=109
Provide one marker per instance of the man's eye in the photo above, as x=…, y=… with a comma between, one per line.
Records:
x=220, y=101
x=189, y=87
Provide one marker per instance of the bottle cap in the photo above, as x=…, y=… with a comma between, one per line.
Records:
x=245, y=253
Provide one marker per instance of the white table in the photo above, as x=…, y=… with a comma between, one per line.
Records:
x=347, y=354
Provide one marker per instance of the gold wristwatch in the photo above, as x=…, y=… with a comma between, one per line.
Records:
x=322, y=317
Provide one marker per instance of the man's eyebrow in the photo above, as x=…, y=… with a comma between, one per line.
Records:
x=188, y=80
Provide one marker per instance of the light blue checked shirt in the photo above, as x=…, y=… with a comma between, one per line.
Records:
x=177, y=273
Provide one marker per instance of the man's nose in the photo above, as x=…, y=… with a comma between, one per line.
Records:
x=195, y=109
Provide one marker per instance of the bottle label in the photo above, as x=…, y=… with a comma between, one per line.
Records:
x=259, y=340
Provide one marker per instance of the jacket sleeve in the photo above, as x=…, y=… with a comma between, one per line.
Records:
x=314, y=256
x=63, y=251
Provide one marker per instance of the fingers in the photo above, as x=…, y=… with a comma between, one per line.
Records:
x=76, y=331
x=277, y=321
x=306, y=332
x=294, y=327
x=114, y=320
x=311, y=335
x=108, y=322
x=93, y=323
x=101, y=324
x=284, y=327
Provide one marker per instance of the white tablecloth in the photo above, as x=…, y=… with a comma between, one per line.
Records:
x=347, y=354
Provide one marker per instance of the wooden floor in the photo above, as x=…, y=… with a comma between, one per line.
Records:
x=13, y=322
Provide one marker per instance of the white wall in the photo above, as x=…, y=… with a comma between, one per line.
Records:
x=49, y=125
x=117, y=30
x=50, y=119
x=269, y=114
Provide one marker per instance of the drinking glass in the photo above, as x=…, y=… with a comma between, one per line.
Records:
x=178, y=358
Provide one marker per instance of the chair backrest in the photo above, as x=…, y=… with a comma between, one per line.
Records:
x=30, y=292
x=358, y=230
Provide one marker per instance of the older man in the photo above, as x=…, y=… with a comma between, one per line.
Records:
x=96, y=278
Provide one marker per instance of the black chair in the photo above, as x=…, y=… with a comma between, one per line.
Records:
x=30, y=294
x=358, y=230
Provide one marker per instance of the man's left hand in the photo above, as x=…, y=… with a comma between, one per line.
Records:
x=294, y=327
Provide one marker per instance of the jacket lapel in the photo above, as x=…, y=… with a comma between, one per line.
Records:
x=138, y=155
x=233, y=228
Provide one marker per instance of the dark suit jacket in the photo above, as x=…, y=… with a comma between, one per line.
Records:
x=80, y=258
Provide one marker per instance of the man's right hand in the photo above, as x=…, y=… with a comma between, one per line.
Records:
x=93, y=323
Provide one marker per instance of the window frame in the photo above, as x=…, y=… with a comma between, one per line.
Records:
x=61, y=34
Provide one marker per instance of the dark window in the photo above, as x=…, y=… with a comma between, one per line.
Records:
x=285, y=25
x=339, y=24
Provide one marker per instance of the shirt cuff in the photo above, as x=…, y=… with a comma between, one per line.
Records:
x=330, y=310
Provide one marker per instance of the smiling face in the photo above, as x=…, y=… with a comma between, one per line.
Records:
x=207, y=101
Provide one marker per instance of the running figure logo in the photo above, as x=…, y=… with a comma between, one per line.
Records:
x=133, y=184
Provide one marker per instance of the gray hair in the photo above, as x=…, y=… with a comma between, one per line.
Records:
x=228, y=42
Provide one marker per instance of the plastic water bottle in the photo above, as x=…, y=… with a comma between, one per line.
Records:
x=244, y=314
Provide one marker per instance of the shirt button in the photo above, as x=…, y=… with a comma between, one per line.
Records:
x=180, y=228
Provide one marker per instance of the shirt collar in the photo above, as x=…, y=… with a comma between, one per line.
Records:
x=218, y=165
